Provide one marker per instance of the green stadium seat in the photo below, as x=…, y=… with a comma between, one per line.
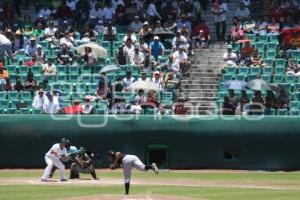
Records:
x=36, y=69
x=13, y=95
x=227, y=77
x=255, y=70
x=62, y=78
x=11, y=68
x=267, y=70
x=251, y=77
x=262, y=38
x=3, y=95
x=80, y=87
x=11, y=110
x=150, y=111
x=279, y=70
x=25, y=111
x=260, y=46
x=166, y=102
x=290, y=78
x=269, y=62
x=271, y=46
x=92, y=87
x=295, y=105
x=287, y=86
x=77, y=95
x=266, y=78
x=280, y=62
x=129, y=96
x=251, y=37
x=167, y=96
x=270, y=54
x=73, y=70
x=4, y=103
x=295, y=54
x=74, y=78
x=12, y=77
x=86, y=78
x=240, y=77
x=270, y=112
x=65, y=103
x=67, y=87
x=244, y=70
x=105, y=44
x=294, y=112
x=273, y=38
x=221, y=95
x=62, y=69
x=44, y=44
x=25, y=95
x=120, y=37
x=296, y=96
x=278, y=78
x=111, y=77
x=36, y=111
x=281, y=112
x=230, y=70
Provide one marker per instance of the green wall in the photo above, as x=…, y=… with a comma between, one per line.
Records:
x=272, y=143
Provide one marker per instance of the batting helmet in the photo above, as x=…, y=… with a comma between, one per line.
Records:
x=111, y=154
x=64, y=140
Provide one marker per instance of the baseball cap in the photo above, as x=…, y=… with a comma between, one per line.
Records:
x=156, y=72
x=229, y=46
x=146, y=23
x=156, y=37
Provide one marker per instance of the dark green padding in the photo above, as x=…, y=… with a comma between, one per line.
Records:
x=272, y=143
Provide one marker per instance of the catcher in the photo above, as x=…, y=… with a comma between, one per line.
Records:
x=82, y=164
x=127, y=162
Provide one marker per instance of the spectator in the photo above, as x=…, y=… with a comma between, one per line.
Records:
x=227, y=107
x=179, y=40
x=293, y=67
x=204, y=36
x=219, y=9
x=139, y=100
x=229, y=55
x=273, y=27
x=128, y=49
x=236, y=34
x=103, y=91
x=116, y=3
x=131, y=36
x=87, y=107
x=40, y=56
x=45, y=12
x=137, y=58
x=145, y=29
x=89, y=57
x=5, y=47
x=184, y=23
x=31, y=48
x=246, y=52
x=170, y=80
x=283, y=100
x=27, y=25
x=256, y=59
x=257, y=104
x=121, y=57
x=50, y=30
x=152, y=100
x=249, y=25
x=157, y=80
x=233, y=99
x=30, y=84
x=109, y=13
x=19, y=40
x=63, y=12
x=39, y=99
x=18, y=86
x=243, y=101
x=110, y=32
x=180, y=61
x=156, y=48
x=50, y=106
x=68, y=40
x=144, y=77
x=39, y=32
x=31, y=62
x=170, y=24
x=49, y=69
x=3, y=77
x=128, y=80
x=260, y=27
x=65, y=56
x=144, y=48
x=96, y=13
x=202, y=40
x=75, y=109
x=71, y=4
x=136, y=25
x=270, y=101
x=151, y=12
x=242, y=12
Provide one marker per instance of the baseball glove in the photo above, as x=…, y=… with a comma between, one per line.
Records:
x=112, y=166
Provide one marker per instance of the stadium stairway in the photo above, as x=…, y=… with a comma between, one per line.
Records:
x=209, y=18
x=201, y=86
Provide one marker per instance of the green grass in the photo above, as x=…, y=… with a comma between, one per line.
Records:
x=39, y=192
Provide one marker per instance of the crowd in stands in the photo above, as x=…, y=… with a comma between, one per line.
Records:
x=150, y=41
x=267, y=48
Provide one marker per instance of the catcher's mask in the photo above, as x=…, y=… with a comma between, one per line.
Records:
x=111, y=154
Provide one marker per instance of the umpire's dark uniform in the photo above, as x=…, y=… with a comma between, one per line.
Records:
x=82, y=164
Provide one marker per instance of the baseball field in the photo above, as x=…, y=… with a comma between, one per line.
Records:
x=23, y=184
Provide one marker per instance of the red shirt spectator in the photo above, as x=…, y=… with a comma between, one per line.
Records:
x=75, y=109
x=204, y=27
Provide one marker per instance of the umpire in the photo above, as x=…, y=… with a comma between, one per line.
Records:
x=82, y=163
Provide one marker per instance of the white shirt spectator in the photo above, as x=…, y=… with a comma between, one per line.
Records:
x=72, y=4
x=45, y=13
x=151, y=10
x=177, y=58
x=246, y=2
x=4, y=40
x=230, y=56
x=136, y=58
x=96, y=14
x=108, y=13
x=182, y=38
x=157, y=82
x=87, y=108
x=49, y=69
x=133, y=38
x=31, y=50
x=128, y=81
x=91, y=58
x=116, y=3
x=38, y=101
x=40, y=58
x=51, y=107
x=128, y=50
x=222, y=9
x=146, y=80
x=50, y=31
x=69, y=41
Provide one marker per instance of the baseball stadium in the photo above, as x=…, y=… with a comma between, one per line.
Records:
x=149, y=99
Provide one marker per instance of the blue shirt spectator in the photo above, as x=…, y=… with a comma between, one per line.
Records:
x=156, y=48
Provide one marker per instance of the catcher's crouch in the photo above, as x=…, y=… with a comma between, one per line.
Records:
x=82, y=164
x=127, y=162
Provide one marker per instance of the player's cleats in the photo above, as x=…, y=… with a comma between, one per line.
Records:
x=155, y=168
x=62, y=180
x=44, y=180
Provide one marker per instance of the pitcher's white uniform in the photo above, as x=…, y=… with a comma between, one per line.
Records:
x=53, y=159
x=129, y=162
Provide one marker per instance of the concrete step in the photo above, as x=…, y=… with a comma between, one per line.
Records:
x=202, y=80
x=202, y=86
x=199, y=95
x=199, y=75
x=199, y=90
